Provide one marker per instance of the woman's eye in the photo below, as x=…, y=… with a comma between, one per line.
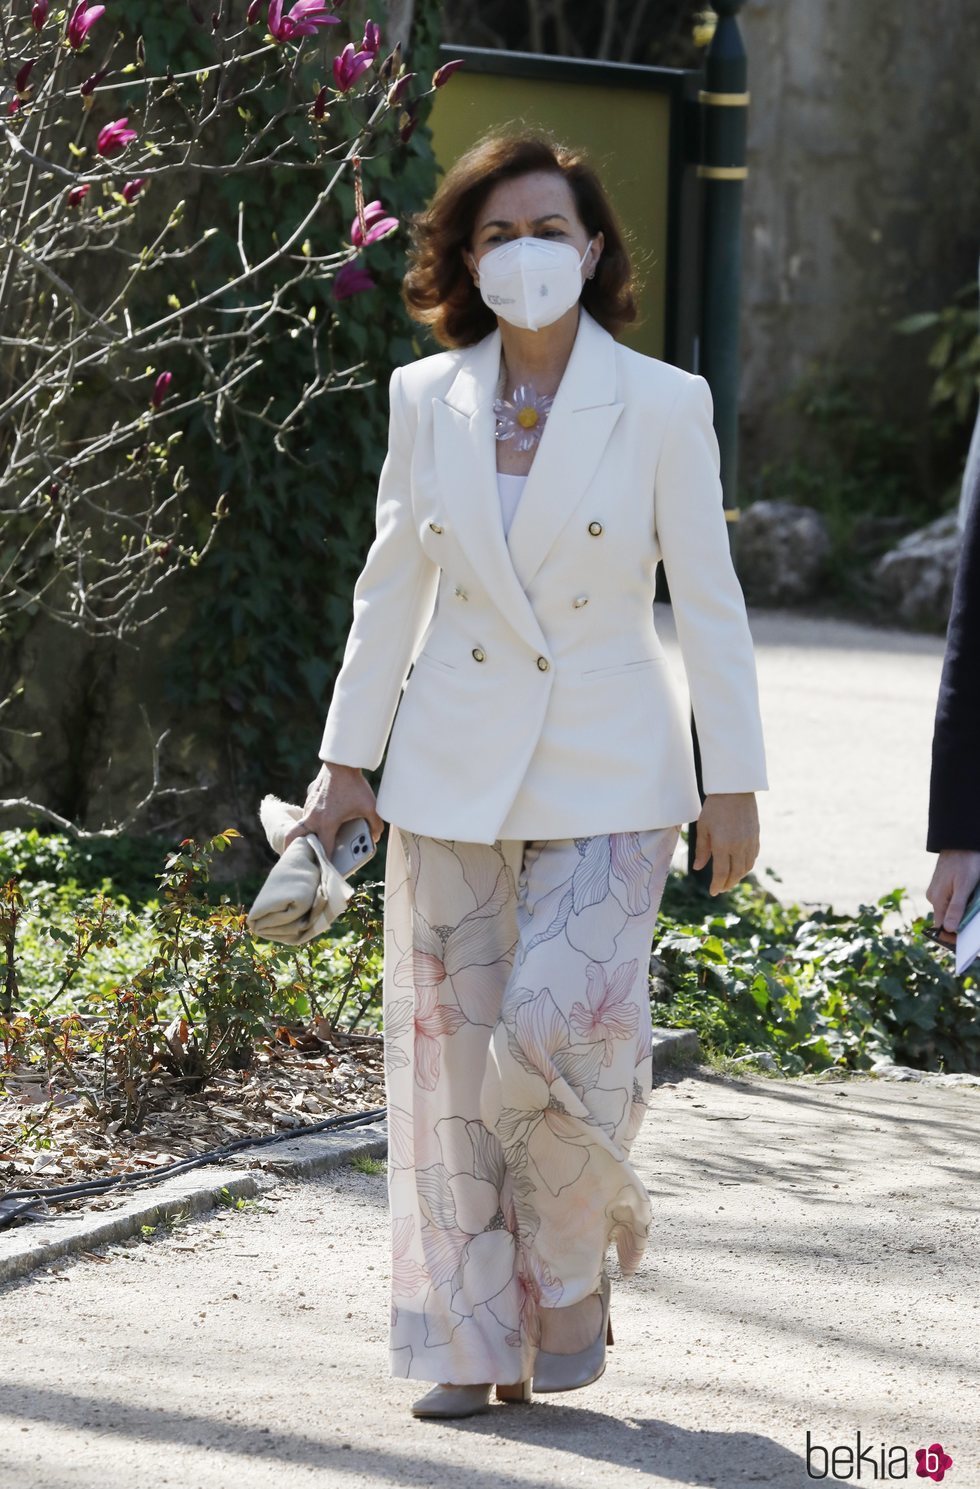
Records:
x=547, y=233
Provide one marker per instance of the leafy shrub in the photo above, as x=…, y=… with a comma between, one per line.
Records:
x=814, y=987
x=108, y=863
x=124, y=1002
x=118, y=1000
x=954, y=355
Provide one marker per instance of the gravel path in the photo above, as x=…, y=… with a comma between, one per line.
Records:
x=813, y=1268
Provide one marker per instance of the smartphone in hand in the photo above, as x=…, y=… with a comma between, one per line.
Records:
x=353, y=846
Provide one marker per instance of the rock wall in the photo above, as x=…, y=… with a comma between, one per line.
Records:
x=861, y=204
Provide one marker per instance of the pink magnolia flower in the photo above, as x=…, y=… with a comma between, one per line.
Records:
x=320, y=103
x=114, y=137
x=161, y=388
x=376, y=223
x=21, y=80
x=83, y=18
x=372, y=37
x=132, y=189
x=39, y=14
x=347, y=68
x=253, y=12
x=13, y=106
x=77, y=194
x=351, y=280
x=302, y=20
x=443, y=73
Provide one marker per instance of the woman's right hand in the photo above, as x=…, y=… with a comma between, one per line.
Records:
x=338, y=794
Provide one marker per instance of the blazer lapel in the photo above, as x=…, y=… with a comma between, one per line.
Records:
x=574, y=437
x=581, y=420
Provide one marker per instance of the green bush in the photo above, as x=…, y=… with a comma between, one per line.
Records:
x=118, y=1000
x=954, y=356
x=124, y=866
x=815, y=988
x=123, y=1001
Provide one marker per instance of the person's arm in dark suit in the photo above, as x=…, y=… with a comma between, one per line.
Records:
x=954, y=789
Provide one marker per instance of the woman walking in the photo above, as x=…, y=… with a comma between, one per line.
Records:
x=539, y=764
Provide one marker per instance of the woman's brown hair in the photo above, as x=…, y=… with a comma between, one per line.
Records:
x=437, y=288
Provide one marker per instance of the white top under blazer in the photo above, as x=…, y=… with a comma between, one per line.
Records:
x=509, y=490
x=516, y=678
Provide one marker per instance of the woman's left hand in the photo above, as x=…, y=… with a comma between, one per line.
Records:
x=728, y=834
x=956, y=874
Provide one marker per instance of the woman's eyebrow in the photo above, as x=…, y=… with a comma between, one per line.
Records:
x=501, y=222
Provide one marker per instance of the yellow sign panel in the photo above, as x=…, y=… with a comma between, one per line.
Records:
x=626, y=134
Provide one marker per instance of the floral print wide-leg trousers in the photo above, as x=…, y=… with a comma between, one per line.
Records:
x=518, y=1068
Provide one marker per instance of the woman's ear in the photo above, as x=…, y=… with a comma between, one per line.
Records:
x=470, y=263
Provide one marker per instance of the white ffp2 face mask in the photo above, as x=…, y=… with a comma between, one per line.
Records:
x=531, y=281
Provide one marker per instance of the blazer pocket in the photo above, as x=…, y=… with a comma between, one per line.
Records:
x=613, y=667
x=424, y=658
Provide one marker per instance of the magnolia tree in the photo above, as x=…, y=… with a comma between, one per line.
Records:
x=114, y=325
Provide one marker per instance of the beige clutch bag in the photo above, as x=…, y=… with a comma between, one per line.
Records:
x=304, y=893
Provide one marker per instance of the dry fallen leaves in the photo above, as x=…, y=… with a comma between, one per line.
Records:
x=303, y=1075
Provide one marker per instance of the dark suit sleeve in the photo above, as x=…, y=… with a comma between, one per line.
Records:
x=954, y=789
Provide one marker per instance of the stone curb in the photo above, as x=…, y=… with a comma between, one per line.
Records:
x=38, y=1243
x=674, y=1046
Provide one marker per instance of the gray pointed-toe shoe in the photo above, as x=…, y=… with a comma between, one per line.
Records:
x=466, y=1401
x=565, y=1372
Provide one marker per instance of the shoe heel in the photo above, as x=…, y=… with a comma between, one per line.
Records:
x=515, y=1391
x=609, y=1332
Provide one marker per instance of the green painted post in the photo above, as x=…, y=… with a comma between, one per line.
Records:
x=724, y=105
x=724, y=102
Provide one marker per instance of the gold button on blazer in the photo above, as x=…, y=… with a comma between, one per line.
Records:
x=573, y=724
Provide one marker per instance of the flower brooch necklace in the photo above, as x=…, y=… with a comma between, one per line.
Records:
x=522, y=416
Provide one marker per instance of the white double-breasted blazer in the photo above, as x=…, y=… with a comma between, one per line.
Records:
x=540, y=703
